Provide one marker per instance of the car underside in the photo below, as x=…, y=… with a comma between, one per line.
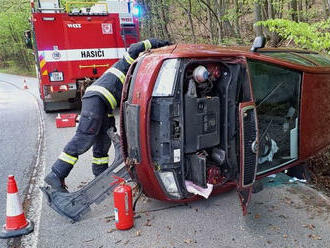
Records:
x=194, y=129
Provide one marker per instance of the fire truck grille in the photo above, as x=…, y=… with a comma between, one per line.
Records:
x=250, y=158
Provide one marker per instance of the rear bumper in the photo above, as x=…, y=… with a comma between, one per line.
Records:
x=61, y=95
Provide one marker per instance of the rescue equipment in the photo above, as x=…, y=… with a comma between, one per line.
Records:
x=16, y=223
x=74, y=204
x=123, y=206
x=66, y=120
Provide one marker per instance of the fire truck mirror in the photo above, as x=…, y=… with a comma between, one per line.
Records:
x=27, y=39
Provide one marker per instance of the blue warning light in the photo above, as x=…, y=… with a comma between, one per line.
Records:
x=136, y=11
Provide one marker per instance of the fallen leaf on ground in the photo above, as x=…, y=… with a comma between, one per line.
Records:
x=147, y=223
x=118, y=241
x=168, y=227
x=126, y=242
x=285, y=236
x=310, y=226
x=188, y=241
x=257, y=216
x=275, y=228
x=314, y=237
x=112, y=230
x=138, y=233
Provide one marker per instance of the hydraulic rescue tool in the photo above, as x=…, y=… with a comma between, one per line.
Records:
x=74, y=204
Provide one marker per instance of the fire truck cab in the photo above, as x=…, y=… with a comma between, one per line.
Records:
x=76, y=43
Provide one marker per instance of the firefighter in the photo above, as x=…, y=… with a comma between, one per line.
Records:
x=98, y=104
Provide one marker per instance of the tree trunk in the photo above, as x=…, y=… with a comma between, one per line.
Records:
x=299, y=12
x=156, y=20
x=294, y=16
x=326, y=6
x=147, y=19
x=218, y=8
x=191, y=22
x=210, y=22
x=165, y=21
x=270, y=9
x=257, y=16
x=237, y=16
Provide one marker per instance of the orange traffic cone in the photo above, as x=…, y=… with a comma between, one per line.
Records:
x=16, y=223
x=25, y=85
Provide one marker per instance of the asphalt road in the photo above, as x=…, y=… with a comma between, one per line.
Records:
x=282, y=215
x=19, y=127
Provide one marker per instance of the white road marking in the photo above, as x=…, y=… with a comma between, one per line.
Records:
x=34, y=211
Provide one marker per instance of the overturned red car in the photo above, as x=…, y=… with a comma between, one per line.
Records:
x=200, y=119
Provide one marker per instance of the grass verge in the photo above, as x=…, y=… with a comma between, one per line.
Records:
x=16, y=70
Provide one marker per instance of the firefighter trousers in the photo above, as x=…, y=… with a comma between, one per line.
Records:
x=94, y=122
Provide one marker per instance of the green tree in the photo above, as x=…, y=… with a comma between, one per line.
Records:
x=14, y=19
x=314, y=36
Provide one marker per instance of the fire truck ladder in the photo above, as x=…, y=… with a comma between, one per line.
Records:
x=75, y=204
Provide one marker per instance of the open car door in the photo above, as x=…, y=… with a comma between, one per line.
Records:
x=248, y=152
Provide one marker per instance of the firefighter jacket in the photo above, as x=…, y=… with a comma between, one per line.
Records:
x=109, y=86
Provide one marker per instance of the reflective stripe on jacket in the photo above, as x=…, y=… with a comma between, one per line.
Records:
x=110, y=84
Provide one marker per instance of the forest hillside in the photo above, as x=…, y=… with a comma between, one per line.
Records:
x=301, y=23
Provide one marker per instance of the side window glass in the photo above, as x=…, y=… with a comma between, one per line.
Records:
x=276, y=93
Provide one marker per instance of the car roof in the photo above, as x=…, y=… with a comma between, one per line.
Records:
x=293, y=58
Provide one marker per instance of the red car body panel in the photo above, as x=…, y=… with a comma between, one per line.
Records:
x=315, y=114
x=142, y=97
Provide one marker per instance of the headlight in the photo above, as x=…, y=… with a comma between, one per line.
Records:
x=56, y=76
x=169, y=183
x=165, y=81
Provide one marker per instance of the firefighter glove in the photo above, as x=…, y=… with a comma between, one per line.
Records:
x=156, y=43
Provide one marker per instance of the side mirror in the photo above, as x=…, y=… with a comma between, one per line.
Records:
x=259, y=42
x=27, y=39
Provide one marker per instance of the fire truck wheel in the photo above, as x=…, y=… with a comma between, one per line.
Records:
x=46, y=107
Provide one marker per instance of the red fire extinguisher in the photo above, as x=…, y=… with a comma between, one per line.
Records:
x=123, y=207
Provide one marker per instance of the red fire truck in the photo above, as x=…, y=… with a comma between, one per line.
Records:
x=74, y=44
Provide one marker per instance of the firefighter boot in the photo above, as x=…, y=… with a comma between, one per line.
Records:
x=56, y=182
x=99, y=168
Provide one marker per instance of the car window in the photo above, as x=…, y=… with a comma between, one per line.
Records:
x=322, y=60
x=276, y=93
x=290, y=57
